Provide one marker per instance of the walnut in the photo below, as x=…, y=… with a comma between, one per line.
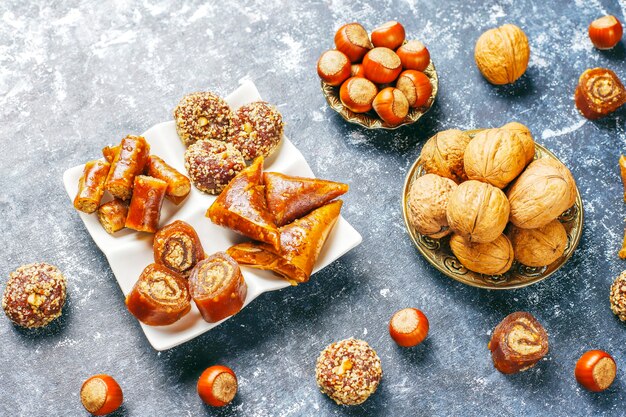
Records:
x=524, y=135
x=428, y=201
x=502, y=54
x=544, y=190
x=443, y=154
x=478, y=211
x=493, y=258
x=495, y=156
x=538, y=247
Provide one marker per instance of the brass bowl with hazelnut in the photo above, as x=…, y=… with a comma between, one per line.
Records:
x=534, y=253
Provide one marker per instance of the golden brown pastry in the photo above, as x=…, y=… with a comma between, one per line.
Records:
x=91, y=186
x=289, y=198
x=300, y=244
x=144, y=211
x=112, y=215
x=518, y=343
x=242, y=207
x=127, y=164
x=178, y=185
x=178, y=247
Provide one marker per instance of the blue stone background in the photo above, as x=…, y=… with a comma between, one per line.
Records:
x=78, y=75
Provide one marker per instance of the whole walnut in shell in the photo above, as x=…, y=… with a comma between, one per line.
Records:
x=495, y=156
x=428, y=202
x=502, y=54
x=443, y=154
x=544, y=190
x=538, y=247
x=478, y=211
x=493, y=258
x=524, y=135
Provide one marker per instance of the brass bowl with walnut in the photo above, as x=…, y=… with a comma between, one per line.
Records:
x=439, y=254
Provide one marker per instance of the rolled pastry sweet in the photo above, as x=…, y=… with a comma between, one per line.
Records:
x=144, y=211
x=159, y=297
x=217, y=287
x=518, y=343
x=91, y=186
x=112, y=215
x=178, y=185
x=177, y=247
x=128, y=162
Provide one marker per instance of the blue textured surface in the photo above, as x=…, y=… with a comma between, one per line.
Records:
x=74, y=78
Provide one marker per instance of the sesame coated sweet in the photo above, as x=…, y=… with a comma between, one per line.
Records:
x=257, y=129
x=34, y=295
x=348, y=371
x=618, y=296
x=211, y=164
x=202, y=115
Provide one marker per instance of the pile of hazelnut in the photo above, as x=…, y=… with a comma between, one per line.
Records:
x=381, y=72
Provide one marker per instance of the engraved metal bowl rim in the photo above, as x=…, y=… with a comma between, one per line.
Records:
x=413, y=234
x=368, y=121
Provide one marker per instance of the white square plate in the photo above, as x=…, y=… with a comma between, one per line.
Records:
x=129, y=252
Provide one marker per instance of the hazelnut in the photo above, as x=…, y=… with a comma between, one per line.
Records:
x=502, y=54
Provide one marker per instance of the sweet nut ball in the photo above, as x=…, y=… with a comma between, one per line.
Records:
x=538, y=247
x=478, y=211
x=541, y=193
x=502, y=54
x=495, y=156
x=443, y=154
x=493, y=258
x=428, y=201
x=524, y=135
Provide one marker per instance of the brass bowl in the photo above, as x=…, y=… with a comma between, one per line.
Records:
x=437, y=251
x=370, y=120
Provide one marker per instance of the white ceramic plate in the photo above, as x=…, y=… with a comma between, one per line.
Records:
x=129, y=252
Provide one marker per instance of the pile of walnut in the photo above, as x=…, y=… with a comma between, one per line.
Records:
x=496, y=202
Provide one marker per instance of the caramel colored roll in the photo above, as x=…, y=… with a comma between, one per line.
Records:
x=112, y=215
x=518, y=343
x=217, y=287
x=127, y=164
x=599, y=93
x=178, y=185
x=177, y=247
x=159, y=297
x=145, y=206
x=109, y=152
x=91, y=186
